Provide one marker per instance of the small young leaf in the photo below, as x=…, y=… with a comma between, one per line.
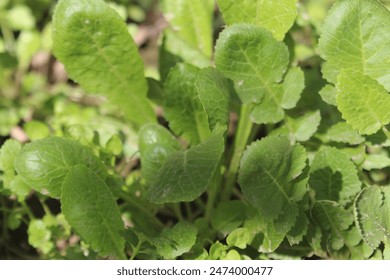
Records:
x=328, y=94
x=185, y=175
x=333, y=176
x=254, y=60
x=276, y=16
x=213, y=90
x=266, y=175
x=43, y=164
x=36, y=130
x=94, y=44
x=356, y=35
x=363, y=101
x=90, y=208
x=228, y=216
x=239, y=237
x=182, y=106
x=183, y=237
x=299, y=128
x=39, y=236
x=156, y=144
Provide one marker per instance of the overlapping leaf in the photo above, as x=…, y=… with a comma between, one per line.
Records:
x=44, y=164
x=333, y=176
x=267, y=172
x=356, y=35
x=185, y=175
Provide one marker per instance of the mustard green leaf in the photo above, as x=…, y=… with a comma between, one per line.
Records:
x=44, y=164
x=342, y=132
x=254, y=60
x=371, y=209
x=156, y=144
x=91, y=210
x=362, y=101
x=214, y=93
x=98, y=52
x=267, y=170
x=185, y=175
x=356, y=35
x=240, y=237
x=182, y=106
x=183, y=237
x=333, y=176
x=276, y=16
x=191, y=21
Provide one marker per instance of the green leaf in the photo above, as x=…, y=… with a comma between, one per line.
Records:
x=39, y=236
x=254, y=60
x=183, y=237
x=182, y=106
x=214, y=93
x=239, y=237
x=299, y=231
x=9, y=150
x=328, y=94
x=185, y=175
x=36, y=130
x=363, y=101
x=333, y=176
x=156, y=144
x=20, y=17
x=90, y=208
x=268, y=168
x=372, y=208
x=376, y=161
x=276, y=16
x=44, y=164
x=342, y=132
x=299, y=128
x=333, y=220
x=191, y=21
x=293, y=85
x=94, y=44
x=228, y=216
x=356, y=35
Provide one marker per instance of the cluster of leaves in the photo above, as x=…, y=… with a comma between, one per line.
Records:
x=272, y=144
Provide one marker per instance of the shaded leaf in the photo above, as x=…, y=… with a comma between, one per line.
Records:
x=90, y=208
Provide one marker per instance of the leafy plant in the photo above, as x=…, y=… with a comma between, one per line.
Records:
x=266, y=146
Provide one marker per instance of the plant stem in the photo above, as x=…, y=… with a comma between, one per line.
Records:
x=128, y=198
x=9, y=38
x=241, y=139
x=386, y=132
x=213, y=191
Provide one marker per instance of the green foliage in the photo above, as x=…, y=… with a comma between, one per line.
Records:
x=261, y=130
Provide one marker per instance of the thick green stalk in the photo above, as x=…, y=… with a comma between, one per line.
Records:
x=242, y=135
